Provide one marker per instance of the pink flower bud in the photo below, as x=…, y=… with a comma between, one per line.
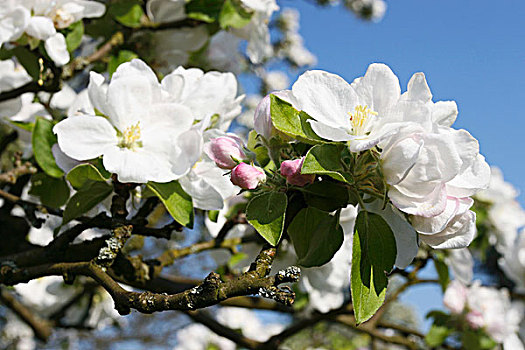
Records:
x=223, y=150
x=291, y=169
x=247, y=176
x=475, y=319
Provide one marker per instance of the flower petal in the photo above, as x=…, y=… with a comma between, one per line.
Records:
x=41, y=28
x=379, y=89
x=458, y=234
x=326, y=97
x=85, y=137
x=400, y=158
x=56, y=48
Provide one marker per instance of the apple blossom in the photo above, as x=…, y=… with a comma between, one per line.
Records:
x=225, y=151
x=275, y=80
x=368, y=9
x=257, y=32
x=41, y=20
x=455, y=297
x=291, y=169
x=513, y=262
x=364, y=112
x=486, y=308
x=144, y=136
x=205, y=94
x=247, y=176
x=12, y=76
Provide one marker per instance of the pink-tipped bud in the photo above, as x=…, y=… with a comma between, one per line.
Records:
x=475, y=319
x=247, y=176
x=226, y=151
x=291, y=169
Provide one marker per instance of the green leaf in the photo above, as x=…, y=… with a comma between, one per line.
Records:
x=373, y=254
x=316, y=236
x=443, y=273
x=53, y=192
x=86, y=199
x=437, y=335
x=29, y=60
x=43, y=139
x=74, y=36
x=325, y=160
x=81, y=174
x=236, y=259
x=122, y=57
x=127, y=12
x=266, y=213
x=326, y=195
x=204, y=10
x=291, y=122
x=177, y=202
x=213, y=215
x=234, y=15
x=27, y=126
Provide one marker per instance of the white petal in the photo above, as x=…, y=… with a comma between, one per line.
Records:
x=428, y=206
x=444, y=113
x=400, y=158
x=139, y=166
x=417, y=89
x=404, y=233
x=64, y=98
x=325, y=97
x=462, y=263
x=85, y=137
x=458, y=234
x=379, y=88
x=435, y=224
x=13, y=24
x=202, y=193
x=41, y=28
x=327, y=132
x=63, y=161
x=188, y=151
x=97, y=91
x=56, y=48
x=91, y=9
x=471, y=180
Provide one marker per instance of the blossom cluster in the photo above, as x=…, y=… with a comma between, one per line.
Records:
x=40, y=20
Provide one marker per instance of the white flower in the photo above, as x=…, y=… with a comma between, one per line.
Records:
x=208, y=185
x=276, y=80
x=499, y=190
x=222, y=53
x=247, y=116
x=462, y=263
x=12, y=76
x=257, y=32
x=296, y=52
x=41, y=19
x=248, y=323
x=45, y=294
x=487, y=308
x=206, y=94
x=513, y=262
x=455, y=297
x=199, y=337
x=14, y=18
x=364, y=112
x=144, y=136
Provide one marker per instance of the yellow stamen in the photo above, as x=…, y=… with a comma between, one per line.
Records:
x=131, y=136
x=359, y=119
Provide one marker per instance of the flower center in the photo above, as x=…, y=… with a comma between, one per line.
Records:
x=62, y=19
x=360, y=119
x=131, y=137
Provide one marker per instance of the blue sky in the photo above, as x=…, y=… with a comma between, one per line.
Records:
x=472, y=52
